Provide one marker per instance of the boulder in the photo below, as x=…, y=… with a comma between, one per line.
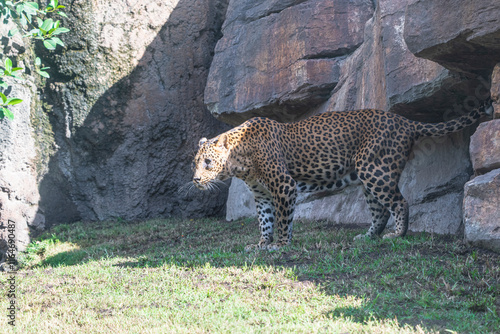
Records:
x=127, y=111
x=481, y=213
x=465, y=39
x=485, y=147
x=348, y=208
x=495, y=91
x=241, y=203
x=281, y=60
x=433, y=182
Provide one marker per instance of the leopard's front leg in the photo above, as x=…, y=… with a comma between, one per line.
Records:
x=284, y=198
x=265, y=211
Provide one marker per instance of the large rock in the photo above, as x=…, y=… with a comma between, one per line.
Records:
x=481, y=213
x=433, y=182
x=349, y=208
x=461, y=35
x=485, y=147
x=127, y=108
x=280, y=59
x=495, y=91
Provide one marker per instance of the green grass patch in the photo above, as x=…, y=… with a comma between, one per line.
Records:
x=179, y=276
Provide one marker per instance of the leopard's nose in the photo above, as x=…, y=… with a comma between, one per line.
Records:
x=196, y=179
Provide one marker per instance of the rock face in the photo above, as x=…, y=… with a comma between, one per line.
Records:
x=18, y=153
x=465, y=39
x=125, y=102
x=481, y=213
x=482, y=194
x=128, y=110
x=280, y=59
x=495, y=91
x=394, y=55
x=485, y=147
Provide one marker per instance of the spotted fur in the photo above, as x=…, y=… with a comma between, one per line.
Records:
x=326, y=152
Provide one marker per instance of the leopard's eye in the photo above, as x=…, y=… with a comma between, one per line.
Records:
x=208, y=162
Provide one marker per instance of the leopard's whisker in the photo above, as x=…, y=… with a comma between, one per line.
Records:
x=185, y=189
x=222, y=183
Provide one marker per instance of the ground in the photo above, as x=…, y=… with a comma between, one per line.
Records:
x=178, y=276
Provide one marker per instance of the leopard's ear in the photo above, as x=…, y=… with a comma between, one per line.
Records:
x=202, y=141
x=222, y=142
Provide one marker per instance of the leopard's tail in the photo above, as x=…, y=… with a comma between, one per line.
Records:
x=443, y=128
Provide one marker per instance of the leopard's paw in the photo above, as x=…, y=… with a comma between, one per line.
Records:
x=390, y=236
x=276, y=246
x=250, y=248
x=361, y=237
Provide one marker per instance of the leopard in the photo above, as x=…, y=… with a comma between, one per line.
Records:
x=325, y=152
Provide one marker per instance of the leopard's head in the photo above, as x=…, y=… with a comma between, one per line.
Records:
x=209, y=164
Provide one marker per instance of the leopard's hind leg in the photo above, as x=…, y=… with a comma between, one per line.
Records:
x=380, y=216
x=380, y=179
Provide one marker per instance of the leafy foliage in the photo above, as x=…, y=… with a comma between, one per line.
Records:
x=35, y=23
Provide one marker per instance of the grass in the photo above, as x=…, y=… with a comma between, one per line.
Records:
x=174, y=276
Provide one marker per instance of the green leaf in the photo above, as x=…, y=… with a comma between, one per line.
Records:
x=38, y=61
x=47, y=24
x=32, y=5
x=3, y=84
x=43, y=73
x=20, y=8
x=8, y=65
x=50, y=44
x=3, y=97
x=60, y=31
x=58, y=41
x=61, y=6
x=13, y=101
x=17, y=69
x=39, y=21
x=8, y=113
x=62, y=14
x=24, y=22
x=12, y=32
x=32, y=33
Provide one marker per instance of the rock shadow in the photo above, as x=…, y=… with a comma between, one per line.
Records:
x=125, y=152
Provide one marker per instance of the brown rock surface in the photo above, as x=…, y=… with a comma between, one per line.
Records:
x=461, y=35
x=481, y=210
x=485, y=147
x=495, y=91
x=281, y=61
x=128, y=110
